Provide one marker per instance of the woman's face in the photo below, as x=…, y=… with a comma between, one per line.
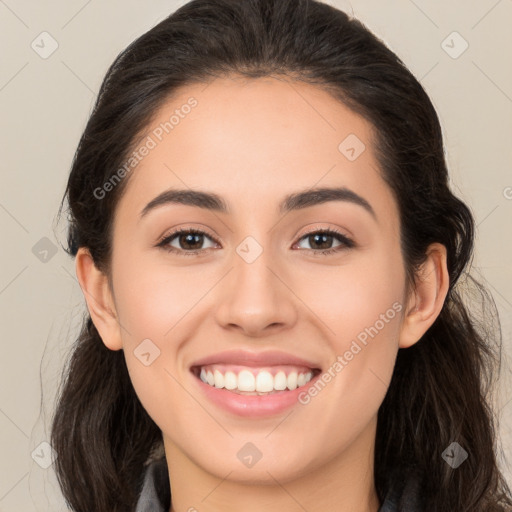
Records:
x=259, y=294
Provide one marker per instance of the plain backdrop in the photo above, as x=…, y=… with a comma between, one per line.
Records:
x=460, y=51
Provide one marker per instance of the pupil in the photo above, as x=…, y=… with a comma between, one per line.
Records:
x=318, y=239
x=324, y=237
x=189, y=236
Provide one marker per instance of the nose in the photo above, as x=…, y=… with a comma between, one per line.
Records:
x=257, y=298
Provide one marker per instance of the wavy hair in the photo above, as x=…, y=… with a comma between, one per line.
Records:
x=439, y=392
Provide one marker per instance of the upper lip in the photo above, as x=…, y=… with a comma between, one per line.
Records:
x=255, y=359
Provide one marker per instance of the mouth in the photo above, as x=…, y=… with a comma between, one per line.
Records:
x=249, y=380
x=254, y=384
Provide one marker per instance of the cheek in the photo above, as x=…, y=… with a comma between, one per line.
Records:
x=151, y=299
x=369, y=324
x=355, y=295
x=360, y=306
x=151, y=302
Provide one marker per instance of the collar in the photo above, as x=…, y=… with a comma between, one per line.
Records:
x=403, y=495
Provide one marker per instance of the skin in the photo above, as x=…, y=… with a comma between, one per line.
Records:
x=253, y=142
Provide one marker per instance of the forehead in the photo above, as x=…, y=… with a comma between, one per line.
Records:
x=252, y=141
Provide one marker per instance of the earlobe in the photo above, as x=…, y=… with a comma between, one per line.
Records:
x=97, y=294
x=428, y=297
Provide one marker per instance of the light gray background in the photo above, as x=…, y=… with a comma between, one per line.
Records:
x=45, y=104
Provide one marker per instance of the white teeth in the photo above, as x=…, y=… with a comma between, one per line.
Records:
x=280, y=381
x=246, y=381
x=218, y=379
x=263, y=383
x=230, y=380
x=292, y=381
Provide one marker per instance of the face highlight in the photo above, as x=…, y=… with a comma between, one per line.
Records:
x=263, y=265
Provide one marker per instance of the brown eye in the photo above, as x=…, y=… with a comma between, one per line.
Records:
x=186, y=241
x=321, y=241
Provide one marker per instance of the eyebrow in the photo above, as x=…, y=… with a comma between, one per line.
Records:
x=295, y=201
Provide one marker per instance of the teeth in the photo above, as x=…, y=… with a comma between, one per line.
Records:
x=210, y=379
x=292, y=381
x=218, y=379
x=280, y=381
x=264, y=382
x=246, y=381
x=230, y=380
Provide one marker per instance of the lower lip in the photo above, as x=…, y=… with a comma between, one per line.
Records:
x=253, y=405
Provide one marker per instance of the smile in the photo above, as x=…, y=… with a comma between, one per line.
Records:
x=255, y=381
x=254, y=384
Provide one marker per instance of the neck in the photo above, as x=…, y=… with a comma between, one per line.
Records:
x=342, y=484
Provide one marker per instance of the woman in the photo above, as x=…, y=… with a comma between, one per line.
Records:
x=270, y=254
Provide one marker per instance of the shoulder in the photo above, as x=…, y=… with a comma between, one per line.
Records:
x=404, y=493
x=155, y=495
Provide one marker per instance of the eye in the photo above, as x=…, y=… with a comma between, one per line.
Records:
x=324, y=238
x=185, y=239
x=189, y=241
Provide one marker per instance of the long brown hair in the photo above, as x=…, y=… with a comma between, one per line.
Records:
x=439, y=392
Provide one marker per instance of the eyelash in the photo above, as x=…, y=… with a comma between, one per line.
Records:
x=347, y=242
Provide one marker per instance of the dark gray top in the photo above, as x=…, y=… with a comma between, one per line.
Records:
x=155, y=496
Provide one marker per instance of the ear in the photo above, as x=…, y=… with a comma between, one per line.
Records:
x=100, y=303
x=427, y=299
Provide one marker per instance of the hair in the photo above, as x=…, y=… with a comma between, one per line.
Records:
x=439, y=391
